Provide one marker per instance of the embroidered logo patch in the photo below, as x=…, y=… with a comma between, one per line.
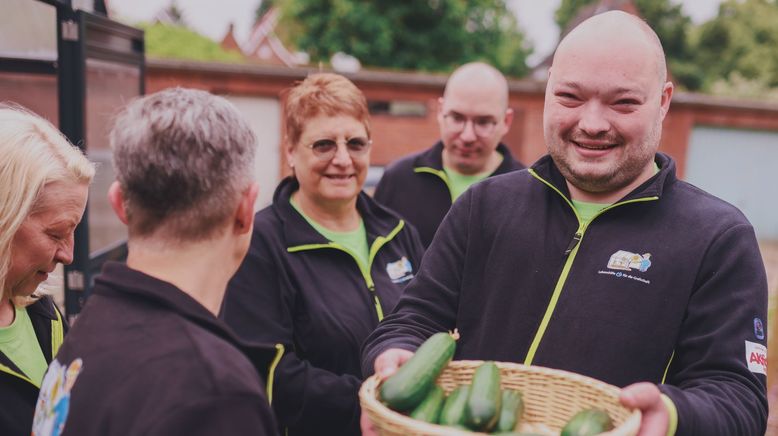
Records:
x=400, y=270
x=756, y=357
x=627, y=261
x=51, y=412
x=758, y=328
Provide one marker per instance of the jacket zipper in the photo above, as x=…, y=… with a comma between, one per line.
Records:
x=570, y=252
x=379, y=242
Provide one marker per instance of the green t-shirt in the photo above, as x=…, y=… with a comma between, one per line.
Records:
x=355, y=241
x=458, y=183
x=587, y=210
x=19, y=343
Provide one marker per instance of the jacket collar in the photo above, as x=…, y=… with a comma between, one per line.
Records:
x=41, y=315
x=653, y=187
x=44, y=308
x=119, y=280
x=378, y=220
x=433, y=158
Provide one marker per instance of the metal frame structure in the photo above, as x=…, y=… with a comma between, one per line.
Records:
x=82, y=36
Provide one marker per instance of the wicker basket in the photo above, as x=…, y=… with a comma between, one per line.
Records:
x=551, y=398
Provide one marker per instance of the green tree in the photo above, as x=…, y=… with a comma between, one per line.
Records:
x=171, y=41
x=264, y=6
x=431, y=35
x=672, y=27
x=737, y=48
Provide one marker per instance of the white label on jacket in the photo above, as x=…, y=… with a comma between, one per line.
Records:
x=756, y=356
x=400, y=270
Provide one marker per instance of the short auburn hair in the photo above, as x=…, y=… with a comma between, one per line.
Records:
x=322, y=94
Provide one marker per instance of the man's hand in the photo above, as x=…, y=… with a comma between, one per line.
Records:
x=647, y=398
x=385, y=365
x=389, y=361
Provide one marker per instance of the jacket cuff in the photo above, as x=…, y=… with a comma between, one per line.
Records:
x=672, y=424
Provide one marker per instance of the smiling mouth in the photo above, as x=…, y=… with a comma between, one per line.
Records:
x=339, y=176
x=594, y=145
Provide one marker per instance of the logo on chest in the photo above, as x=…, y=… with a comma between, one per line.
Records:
x=400, y=270
x=623, y=262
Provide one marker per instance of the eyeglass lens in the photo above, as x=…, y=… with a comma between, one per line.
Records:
x=482, y=126
x=326, y=148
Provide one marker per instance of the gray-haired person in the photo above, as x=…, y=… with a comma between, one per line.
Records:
x=148, y=355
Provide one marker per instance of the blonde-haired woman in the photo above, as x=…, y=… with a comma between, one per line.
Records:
x=44, y=182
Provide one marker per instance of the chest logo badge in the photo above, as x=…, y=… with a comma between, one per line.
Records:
x=400, y=270
x=627, y=261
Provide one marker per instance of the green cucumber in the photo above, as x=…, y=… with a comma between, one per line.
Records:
x=408, y=387
x=588, y=422
x=429, y=409
x=510, y=412
x=483, y=403
x=453, y=413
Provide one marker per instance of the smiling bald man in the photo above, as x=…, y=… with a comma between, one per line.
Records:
x=598, y=260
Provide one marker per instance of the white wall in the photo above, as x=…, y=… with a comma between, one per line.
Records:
x=264, y=116
x=739, y=166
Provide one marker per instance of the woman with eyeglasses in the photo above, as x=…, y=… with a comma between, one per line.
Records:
x=326, y=261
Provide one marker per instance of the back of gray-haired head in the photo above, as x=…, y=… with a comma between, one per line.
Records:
x=182, y=158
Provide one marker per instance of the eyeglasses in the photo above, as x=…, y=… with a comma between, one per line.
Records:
x=325, y=149
x=482, y=126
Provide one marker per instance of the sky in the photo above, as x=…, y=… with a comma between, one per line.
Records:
x=212, y=18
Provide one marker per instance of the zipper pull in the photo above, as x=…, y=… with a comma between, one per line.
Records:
x=576, y=239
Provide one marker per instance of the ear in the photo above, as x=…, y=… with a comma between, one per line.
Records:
x=667, y=95
x=440, y=110
x=508, y=120
x=289, y=153
x=244, y=214
x=116, y=198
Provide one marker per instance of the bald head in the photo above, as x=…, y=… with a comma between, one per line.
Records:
x=484, y=77
x=616, y=32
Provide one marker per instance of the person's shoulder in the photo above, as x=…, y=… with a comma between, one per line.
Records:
x=405, y=164
x=698, y=203
x=218, y=363
x=268, y=222
x=512, y=180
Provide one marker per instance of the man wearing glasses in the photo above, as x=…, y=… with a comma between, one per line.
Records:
x=473, y=116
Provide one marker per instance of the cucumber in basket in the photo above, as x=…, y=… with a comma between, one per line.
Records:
x=429, y=409
x=483, y=403
x=588, y=422
x=408, y=387
x=510, y=412
x=453, y=413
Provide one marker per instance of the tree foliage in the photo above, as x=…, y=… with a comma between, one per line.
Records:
x=739, y=48
x=431, y=35
x=172, y=41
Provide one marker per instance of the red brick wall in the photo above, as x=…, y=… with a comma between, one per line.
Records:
x=397, y=136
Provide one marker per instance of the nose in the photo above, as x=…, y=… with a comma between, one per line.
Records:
x=341, y=158
x=64, y=253
x=468, y=132
x=593, y=121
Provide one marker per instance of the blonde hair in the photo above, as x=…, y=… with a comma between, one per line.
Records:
x=34, y=153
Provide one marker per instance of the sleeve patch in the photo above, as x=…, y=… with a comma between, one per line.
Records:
x=756, y=357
